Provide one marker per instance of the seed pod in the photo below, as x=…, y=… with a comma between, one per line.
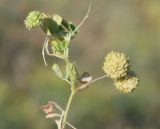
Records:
x=127, y=84
x=116, y=65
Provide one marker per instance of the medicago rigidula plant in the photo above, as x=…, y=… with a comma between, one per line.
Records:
x=59, y=34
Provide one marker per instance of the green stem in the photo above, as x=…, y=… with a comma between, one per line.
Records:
x=73, y=91
x=67, y=109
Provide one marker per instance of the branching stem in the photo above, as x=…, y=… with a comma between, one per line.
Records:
x=64, y=115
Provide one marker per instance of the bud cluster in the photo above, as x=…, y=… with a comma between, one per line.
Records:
x=34, y=19
x=116, y=66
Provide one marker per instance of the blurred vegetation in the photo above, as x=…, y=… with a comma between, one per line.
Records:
x=131, y=26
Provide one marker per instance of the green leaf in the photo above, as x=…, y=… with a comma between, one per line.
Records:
x=69, y=26
x=64, y=45
x=59, y=46
x=74, y=72
x=65, y=24
x=57, y=70
x=67, y=76
x=72, y=27
x=56, y=46
x=74, y=76
x=50, y=27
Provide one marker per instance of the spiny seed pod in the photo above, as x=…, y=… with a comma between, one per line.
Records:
x=116, y=65
x=126, y=85
x=34, y=19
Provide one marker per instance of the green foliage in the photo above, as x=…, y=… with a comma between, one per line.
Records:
x=50, y=27
x=57, y=71
x=74, y=76
x=59, y=34
x=132, y=27
x=59, y=47
x=70, y=27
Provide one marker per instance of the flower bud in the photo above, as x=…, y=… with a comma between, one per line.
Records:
x=34, y=19
x=116, y=65
x=57, y=19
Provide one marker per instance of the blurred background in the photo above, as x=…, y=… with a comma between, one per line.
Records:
x=129, y=26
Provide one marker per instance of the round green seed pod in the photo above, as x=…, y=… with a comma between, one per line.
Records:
x=34, y=19
x=116, y=65
x=127, y=85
